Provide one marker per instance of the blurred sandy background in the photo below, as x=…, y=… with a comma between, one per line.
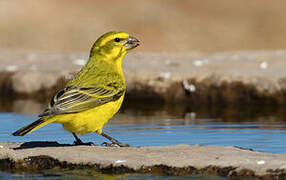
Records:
x=162, y=25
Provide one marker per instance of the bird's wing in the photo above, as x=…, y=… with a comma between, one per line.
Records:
x=77, y=99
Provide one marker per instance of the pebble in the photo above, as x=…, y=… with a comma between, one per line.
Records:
x=261, y=162
x=264, y=65
x=120, y=161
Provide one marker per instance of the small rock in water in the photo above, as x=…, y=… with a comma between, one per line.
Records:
x=200, y=62
x=264, y=65
x=261, y=162
x=120, y=161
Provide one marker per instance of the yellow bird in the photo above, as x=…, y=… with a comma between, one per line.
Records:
x=94, y=95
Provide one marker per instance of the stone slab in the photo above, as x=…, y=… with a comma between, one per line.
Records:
x=168, y=160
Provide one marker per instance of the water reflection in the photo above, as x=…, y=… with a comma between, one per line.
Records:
x=268, y=114
x=251, y=116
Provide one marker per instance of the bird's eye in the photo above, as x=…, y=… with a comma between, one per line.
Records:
x=117, y=39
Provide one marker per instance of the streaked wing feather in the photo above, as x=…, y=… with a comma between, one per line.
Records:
x=76, y=99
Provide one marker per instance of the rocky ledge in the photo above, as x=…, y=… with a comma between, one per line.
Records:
x=224, y=78
x=231, y=162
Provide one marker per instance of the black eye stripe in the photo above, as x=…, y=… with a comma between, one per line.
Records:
x=117, y=39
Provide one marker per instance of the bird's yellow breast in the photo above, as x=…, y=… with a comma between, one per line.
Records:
x=91, y=120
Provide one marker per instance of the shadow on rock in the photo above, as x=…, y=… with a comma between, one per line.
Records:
x=35, y=144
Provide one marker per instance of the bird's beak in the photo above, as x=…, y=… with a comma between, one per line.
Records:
x=131, y=43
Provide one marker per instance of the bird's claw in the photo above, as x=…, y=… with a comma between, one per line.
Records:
x=109, y=144
x=114, y=144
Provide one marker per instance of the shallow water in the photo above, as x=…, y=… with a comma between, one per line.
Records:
x=150, y=125
x=260, y=128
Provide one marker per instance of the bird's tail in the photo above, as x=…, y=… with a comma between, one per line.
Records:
x=31, y=127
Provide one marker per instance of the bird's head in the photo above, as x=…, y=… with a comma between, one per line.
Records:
x=115, y=44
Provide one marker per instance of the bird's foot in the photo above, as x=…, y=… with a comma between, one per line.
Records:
x=80, y=143
x=115, y=144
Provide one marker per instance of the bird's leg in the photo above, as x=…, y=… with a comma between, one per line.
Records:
x=79, y=142
x=114, y=141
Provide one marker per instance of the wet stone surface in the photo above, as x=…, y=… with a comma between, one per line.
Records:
x=164, y=160
x=225, y=78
